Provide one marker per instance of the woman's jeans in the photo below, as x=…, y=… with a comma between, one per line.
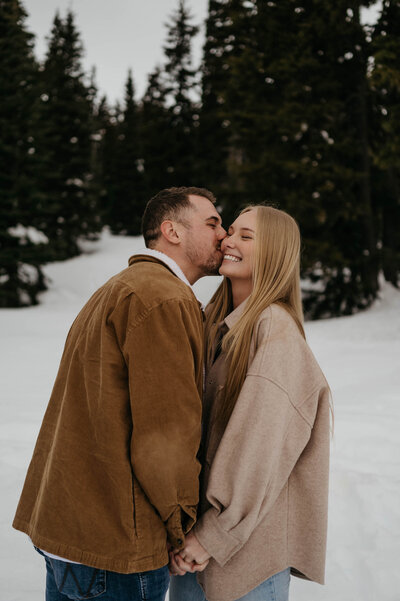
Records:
x=66, y=581
x=276, y=588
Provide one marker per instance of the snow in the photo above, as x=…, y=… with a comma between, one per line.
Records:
x=28, y=234
x=360, y=356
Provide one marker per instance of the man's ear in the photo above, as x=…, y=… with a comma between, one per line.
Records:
x=170, y=231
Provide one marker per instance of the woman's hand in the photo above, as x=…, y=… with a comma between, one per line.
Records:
x=179, y=567
x=193, y=551
x=176, y=569
x=192, y=558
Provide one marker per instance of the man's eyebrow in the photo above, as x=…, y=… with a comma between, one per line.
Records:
x=214, y=218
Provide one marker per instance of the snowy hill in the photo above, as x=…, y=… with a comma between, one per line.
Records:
x=360, y=356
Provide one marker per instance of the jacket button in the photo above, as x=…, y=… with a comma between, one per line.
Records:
x=179, y=541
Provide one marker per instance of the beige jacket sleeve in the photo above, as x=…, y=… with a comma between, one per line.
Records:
x=263, y=440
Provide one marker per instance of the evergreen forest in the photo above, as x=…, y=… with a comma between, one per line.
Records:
x=295, y=103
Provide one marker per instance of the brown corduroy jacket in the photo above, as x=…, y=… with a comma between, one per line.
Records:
x=114, y=471
x=265, y=480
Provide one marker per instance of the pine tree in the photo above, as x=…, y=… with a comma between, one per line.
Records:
x=385, y=83
x=180, y=85
x=21, y=246
x=127, y=202
x=334, y=206
x=212, y=148
x=155, y=135
x=65, y=202
x=298, y=106
x=105, y=170
x=346, y=264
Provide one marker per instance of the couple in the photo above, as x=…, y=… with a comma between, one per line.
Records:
x=112, y=492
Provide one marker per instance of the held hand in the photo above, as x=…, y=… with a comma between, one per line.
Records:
x=178, y=566
x=194, y=552
x=176, y=569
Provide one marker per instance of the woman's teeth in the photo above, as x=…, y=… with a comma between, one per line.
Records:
x=232, y=258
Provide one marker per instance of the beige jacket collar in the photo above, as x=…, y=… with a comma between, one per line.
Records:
x=231, y=319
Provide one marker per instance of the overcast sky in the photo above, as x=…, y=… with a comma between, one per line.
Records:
x=118, y=35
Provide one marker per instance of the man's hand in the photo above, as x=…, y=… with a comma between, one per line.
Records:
x=192, y=558
x=193, y=551
x=178, y=569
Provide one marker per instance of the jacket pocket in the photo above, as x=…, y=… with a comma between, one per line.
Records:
x=135, y=504
x=148, y=526
x=77, y=581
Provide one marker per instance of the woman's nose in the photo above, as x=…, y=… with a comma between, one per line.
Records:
x=227, y=242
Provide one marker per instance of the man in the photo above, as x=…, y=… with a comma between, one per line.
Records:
x=114, y=475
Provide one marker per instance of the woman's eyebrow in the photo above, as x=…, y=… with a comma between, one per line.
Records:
x=248, y=229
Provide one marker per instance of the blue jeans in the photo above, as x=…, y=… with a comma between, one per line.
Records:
x=66, y=581
x=276, y=588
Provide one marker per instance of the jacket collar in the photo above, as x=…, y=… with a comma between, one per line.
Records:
x=235, y=315
x=157, y=254
x=226, y=324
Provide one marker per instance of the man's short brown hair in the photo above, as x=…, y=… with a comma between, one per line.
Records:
x=170, y=203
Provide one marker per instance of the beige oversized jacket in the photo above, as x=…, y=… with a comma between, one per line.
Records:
x=114, y=471
x=266, y=479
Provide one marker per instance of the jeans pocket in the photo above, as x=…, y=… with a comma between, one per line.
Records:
x=77, y=581
x=154, y=584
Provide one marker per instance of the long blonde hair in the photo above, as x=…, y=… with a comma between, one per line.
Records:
x=276, y=279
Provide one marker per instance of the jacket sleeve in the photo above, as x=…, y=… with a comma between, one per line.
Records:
x=261, y=444
x=164, y=357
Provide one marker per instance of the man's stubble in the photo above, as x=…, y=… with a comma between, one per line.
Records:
x=210, y=264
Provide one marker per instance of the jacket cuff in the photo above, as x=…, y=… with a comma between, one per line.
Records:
x=221, y=545
x=178, y=524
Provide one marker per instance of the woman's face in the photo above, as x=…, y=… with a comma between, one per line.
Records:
x=238, y=247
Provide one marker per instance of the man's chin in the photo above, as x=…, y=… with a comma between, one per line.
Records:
x=213, y=269
x=214, y=272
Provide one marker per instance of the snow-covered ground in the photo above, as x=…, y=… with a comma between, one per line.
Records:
x=360, y=356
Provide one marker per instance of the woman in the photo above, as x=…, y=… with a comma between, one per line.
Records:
x=265, y=456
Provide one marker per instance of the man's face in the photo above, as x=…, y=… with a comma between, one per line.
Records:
x=202, y=240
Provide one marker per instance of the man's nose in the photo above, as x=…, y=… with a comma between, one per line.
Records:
x=221, y=233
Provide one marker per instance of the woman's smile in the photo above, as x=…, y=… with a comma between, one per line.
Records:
x=234, y=258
